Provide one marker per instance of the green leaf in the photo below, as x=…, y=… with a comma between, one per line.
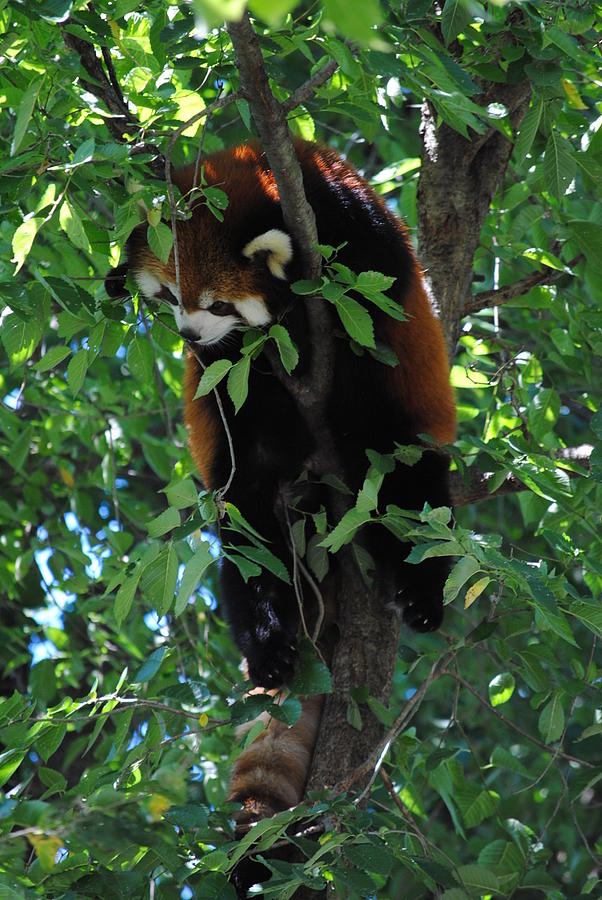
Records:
x=24, y=113
x=588, y=613
x=264, y=558
x=52, y=358
x=501, y=688
x=158, y=582
x=212, y=376
x=23, y=239
x=543, y=412
x=311, y=675
x=124, y=598
x=76, y=370
x=238, y=382
x=559, y=164
x=479, y=878
x=196, y=567
x=10, y=761
x=287, y=350
x=355, y=21
x=182, y=494
x=528, y=129
x=164, y=522
x=288, y=711
x=160, y=240
x=20, y=338
x=464, y=569
x=140, y=359
x=356, y=319
x=456, y=16
x=150, y=666
x=346, y=530
x=50, y=740
x=551, y=720
x=474, y=803
x=72, y=225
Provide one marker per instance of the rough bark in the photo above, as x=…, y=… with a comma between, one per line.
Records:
x=458, y=178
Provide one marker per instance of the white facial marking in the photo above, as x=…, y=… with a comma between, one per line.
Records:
x=148, y=284
x=208, y=328
x=279, y=247
x=151, y=287
x=253, y=310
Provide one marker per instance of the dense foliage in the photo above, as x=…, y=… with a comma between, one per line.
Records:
x=119, y=686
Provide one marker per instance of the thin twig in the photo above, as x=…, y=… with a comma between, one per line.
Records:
x=510, y=724
x=491, y=299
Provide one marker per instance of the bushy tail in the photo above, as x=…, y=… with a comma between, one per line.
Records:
x=270, y=775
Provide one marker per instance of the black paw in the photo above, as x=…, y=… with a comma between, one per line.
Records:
x=271, y=661
x=419, y=613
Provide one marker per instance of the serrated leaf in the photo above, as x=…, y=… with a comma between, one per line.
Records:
x=182, y=494
x=24, y=113
x=194, y=571
x=264, y=558
x=288, y=711
x=475, y=803
x=52, y=358
x=76, y=370
x=140, y=359
x=50, y=740
x=150, y=666
x=311, y=675
x=287, y=350
x=158, y=581
x=345, y=530
x=160, y=240
x=72, y=225
x=238, y=382
x=551, y=720
x=455, y=16
x=356, y=320
x=464, y=569
x=23, y=239
x=212, y=376
x=479, y=878
x=559, y=164
x=125, y=596
x=528, y=129
x=83, y=154
x=588, y=613
x=20, y=338
x=543, y=412
x=164, y=522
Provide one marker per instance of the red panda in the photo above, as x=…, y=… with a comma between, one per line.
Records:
x=237, y=273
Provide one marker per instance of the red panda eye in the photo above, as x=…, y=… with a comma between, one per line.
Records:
x=219, y=307
x=166, y=294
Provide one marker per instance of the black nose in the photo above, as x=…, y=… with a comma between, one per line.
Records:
x=188, y=334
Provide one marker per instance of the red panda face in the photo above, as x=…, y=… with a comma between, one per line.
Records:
x=222, y=288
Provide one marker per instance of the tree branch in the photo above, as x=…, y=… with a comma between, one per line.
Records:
x=306, y=90
x=490, y=299
x=270, y=119
x=477, y=487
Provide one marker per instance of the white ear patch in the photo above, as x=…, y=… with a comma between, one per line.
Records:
x=279, y=247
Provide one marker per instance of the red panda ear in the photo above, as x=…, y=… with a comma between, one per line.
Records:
x=277, y=247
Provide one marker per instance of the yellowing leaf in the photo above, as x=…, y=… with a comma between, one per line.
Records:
x=189, y=104
x=67, y=476
x=203, y=719
x=475, y=590
x=158, y=805
x=572, y=95
x=46, y=846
